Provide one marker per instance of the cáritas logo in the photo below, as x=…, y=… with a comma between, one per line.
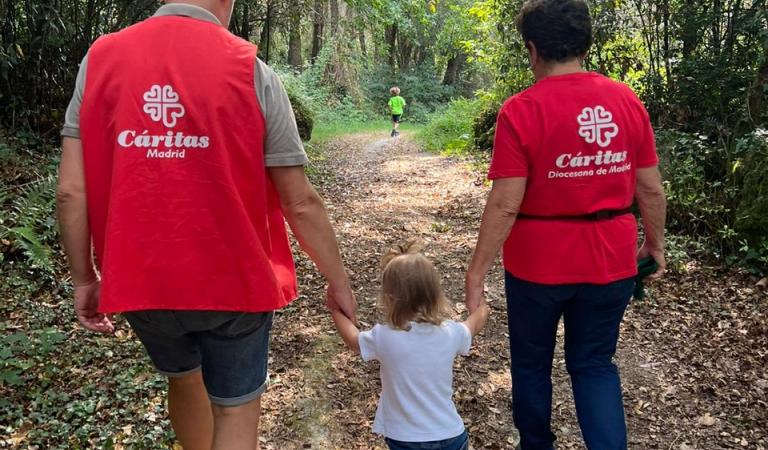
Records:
x=596, y=125
x=162, y=103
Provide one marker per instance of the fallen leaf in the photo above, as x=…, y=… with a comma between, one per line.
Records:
x=706, y=420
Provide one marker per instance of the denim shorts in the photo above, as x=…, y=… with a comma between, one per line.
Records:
x=231, y=349
x=460, y=442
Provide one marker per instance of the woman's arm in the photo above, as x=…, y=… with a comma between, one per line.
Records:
x=653, y=209
x=500, y=213
x=348, y=331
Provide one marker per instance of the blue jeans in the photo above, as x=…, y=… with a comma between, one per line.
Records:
x=460, y=442
x=592, y=315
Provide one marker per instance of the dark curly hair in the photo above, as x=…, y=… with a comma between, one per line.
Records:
x=560, y=29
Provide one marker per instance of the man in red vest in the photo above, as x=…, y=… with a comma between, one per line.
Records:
x=181, y=162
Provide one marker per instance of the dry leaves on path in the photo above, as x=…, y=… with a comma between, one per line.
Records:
x=693, y=357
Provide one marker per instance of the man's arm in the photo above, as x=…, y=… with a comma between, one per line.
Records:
x=72, y=212
x=306, y=214
x=500, y=213
x=653, y=209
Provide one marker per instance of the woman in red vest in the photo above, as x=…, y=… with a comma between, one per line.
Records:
x=571, y=155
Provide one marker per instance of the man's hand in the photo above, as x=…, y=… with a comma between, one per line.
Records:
x=341, y=298
x=658, y=255
x=86, y=308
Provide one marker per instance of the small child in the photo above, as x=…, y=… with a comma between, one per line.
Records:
x=416, y=347
x=396, y=105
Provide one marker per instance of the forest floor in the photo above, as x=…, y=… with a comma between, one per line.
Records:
x=693, y=355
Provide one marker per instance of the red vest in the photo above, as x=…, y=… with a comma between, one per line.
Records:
x=182, y=213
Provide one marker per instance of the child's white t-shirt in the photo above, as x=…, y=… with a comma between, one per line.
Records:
x=416, y=403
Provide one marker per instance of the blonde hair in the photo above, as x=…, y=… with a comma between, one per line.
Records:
x=395, y=91
x=410, y=288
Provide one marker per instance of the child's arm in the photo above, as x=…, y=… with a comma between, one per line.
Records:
x=348, y=331
x=476, y=321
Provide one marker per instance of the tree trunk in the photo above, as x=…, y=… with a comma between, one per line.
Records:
x=756, y=94
x=390, y=36
x=266, y=33
x=361, y=38
x=690, y=16
x=453, y=68
x=667, y=56
x=318, y=24
x=405, y=50
x=245, y=26
x=334, y=17
x=716, y=17
x=294, y=37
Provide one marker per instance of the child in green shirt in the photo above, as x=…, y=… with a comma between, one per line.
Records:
x=396, y=105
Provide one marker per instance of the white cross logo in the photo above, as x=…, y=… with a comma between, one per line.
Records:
x=596, y=125
x=162, y=103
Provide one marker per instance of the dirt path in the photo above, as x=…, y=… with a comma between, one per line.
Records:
x=380, y=190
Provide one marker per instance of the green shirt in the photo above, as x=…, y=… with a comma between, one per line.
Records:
x=396, y=105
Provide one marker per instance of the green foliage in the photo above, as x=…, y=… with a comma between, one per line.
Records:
x=29, y=225
x=450, y=129
x=28, y=232
x=325, y=92
x=19, y=351
x=752, y=212
x=717, y=194
x=41, y=45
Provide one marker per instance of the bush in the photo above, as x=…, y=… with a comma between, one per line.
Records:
x=484, y=127
x=718, y=195
x=752, y=209
x=450, y=129
x=305, y=118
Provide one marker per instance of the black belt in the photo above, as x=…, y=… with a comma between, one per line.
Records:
x=603, y=214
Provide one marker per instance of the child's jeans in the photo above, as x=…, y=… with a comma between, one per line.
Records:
x=460, y=442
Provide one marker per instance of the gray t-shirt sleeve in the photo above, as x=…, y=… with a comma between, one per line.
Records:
x=72, y=116
x=282, y=144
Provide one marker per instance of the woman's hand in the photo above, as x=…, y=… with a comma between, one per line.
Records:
x=658, y=255
x=474, y=294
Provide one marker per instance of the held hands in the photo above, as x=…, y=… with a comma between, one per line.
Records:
x=658, y=255
x=341, y=298
x=86, y=308
x=474, y=294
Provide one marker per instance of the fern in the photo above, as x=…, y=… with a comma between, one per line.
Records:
x=38, y=254
x=29, y=223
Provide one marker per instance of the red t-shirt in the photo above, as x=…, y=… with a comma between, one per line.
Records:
x=578, y=139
